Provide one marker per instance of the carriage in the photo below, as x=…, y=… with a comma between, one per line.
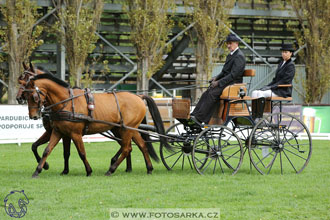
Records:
x=272, y=138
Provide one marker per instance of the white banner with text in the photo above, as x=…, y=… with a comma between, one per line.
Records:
x=17, y=127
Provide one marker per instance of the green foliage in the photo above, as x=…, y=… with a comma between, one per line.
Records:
x=150, y=25
x=313, y=17
x=210, y=18
x=87, y=79
x=20, y=39
x=24, y=16
x=78, y=20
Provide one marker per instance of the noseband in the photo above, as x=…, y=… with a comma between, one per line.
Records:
x=36, y=98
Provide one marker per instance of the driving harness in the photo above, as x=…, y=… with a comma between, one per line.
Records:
x=72, y=116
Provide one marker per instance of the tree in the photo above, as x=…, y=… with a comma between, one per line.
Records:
x=77, y=23
x=150, y=26
x=209, y=17
x=20, y=39
x=313, y=17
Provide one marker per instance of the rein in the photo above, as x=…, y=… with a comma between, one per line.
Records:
x=63, y=101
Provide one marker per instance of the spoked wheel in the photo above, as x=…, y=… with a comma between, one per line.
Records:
x=181, y=141
x=242, y=126
x=275, y=146
x=215, y=147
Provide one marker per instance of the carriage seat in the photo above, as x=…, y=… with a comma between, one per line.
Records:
x=277, y=98
x=231, y=103
x=232, y=91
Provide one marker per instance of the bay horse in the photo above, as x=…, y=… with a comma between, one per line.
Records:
x=30, y=72
x=45, y=137
x=123, y=109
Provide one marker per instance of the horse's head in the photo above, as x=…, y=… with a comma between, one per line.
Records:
x=24, y=78
x=35, y=98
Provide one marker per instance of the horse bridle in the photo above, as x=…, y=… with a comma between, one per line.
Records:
x=22, y=88
x=36, y=97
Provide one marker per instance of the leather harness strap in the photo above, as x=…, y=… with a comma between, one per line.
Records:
x=121, y=116
x=71, y=96
x=63, y=115
x=90, y=106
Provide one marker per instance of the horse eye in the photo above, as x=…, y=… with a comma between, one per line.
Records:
x=35, y=97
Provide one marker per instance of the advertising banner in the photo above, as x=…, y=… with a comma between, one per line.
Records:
x=317, y=118
x=16, y=127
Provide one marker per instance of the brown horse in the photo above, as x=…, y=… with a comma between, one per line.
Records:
x=124, y=110
x=30, y=72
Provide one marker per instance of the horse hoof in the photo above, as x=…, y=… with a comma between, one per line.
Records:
x=46, y=166
x=35, y=176
x=107, y=173
x=128, y=170
x=64, y=172
x=149, y=172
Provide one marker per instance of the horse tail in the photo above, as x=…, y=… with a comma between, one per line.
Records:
x=146, y=138
x=155, y=114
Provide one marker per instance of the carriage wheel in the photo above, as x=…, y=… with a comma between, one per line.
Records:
x=274, y=144
x=214, y=147
x=181, y=142
x=242, y=126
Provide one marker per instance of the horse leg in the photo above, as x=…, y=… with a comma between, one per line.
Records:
x=128, y=163
x=142, y=146
x=66, y=154
x=126, y=148
x=115, y=158
x=77, y=139
x=54, y=139
x=42, y=140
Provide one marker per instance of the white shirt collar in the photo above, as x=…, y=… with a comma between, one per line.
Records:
x=231, y=53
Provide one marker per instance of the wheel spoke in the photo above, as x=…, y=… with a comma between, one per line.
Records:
x=173, y=154
x=290, y=161
x=295, y=154
x=260, y=160
x=176, y=161
x=201, y=160
x=221, y=166
x=271, y=163
x=281, y=163
x=206, y=166
x=215, y=164
x=288, y=127
x=231, y=156
x=190, y=162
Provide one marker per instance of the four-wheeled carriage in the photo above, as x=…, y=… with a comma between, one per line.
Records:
x=272, y=139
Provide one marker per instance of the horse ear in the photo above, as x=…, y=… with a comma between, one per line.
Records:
x=31, y=67
x=21, y=82
x=25, y=66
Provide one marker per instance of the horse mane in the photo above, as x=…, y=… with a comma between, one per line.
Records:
x=41, y=68
x=52, y=78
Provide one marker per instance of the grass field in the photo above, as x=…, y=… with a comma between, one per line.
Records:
x=247, y=195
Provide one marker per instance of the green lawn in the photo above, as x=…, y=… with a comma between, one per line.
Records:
x=247, y=195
